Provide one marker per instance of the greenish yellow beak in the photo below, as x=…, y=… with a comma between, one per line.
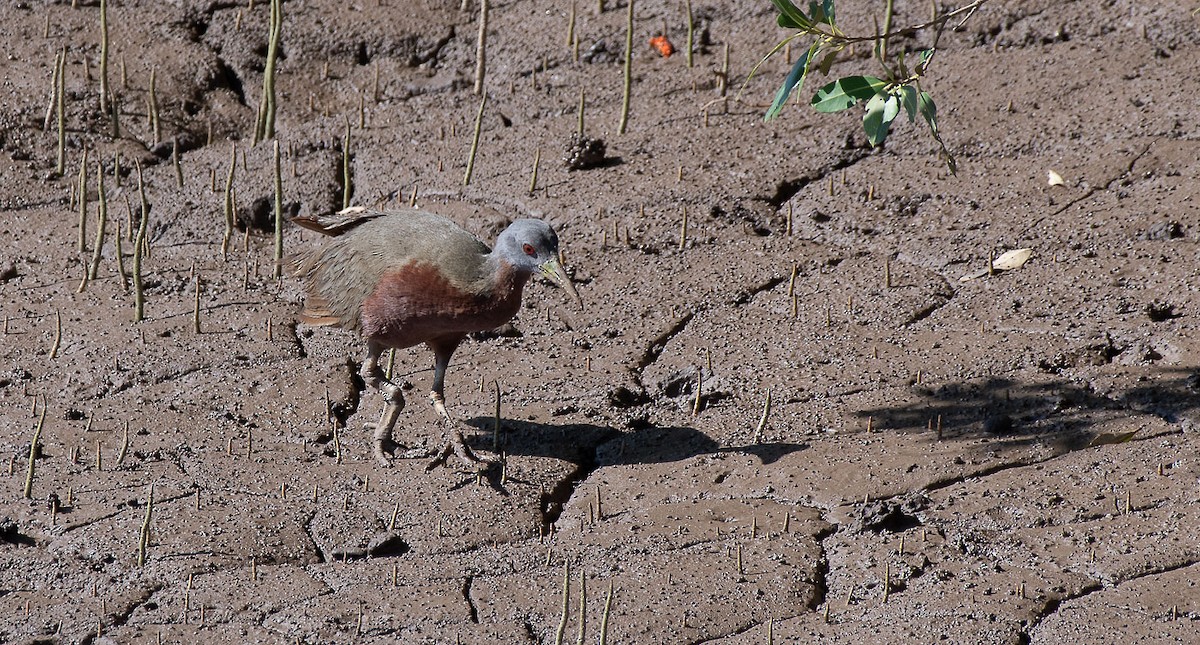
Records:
x=554, y=272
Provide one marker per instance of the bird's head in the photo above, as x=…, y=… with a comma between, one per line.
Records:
x=531, y=246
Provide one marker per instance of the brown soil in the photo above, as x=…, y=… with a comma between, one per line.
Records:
x=929, y=468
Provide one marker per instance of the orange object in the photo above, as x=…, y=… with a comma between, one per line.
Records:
x=663, y=46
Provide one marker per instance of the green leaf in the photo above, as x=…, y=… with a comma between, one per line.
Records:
x=909, y=97
x=821, y=12
x=926, y=54
x=846, y=92
x=928, y=110
x=901, y=66
x=827, y=62
x=881, y=111
x=790, y=17
x=794, y=81
x=774, y=50
x=891, y=107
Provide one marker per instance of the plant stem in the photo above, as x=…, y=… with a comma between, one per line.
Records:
x=691, y=27
x=33, y=452
x=60, y=68
x=229, y=214
x=887, y=28
x=81, y=190
x=57, y=335
x=723, y=78
x=481, y=47
x=566, y=603
x=175, y=162
x=475, y=141
x=762, y=421
x=196, y=307
x=139, y=296
x=124, y=451
x=155, y=125
x=102, y=220
x=571, y=25
x=628, y=69
x=144, y=532
x=537, y=160
x=121, y=261
x=607, y=612
x=347, y=189
x=265, y=126
x=104, y=90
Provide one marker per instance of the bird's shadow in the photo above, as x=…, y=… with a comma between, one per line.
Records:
x=591, y=446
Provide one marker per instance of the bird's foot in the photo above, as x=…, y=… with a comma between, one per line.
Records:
x=382, y=431
x=383, y=448
x=458, y=446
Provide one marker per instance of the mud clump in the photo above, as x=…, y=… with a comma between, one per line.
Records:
x=892, y=515
x=582, y=152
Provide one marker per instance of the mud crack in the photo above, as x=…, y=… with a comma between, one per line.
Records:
x=939, y=300
x=553, y=500
x=1091, y=191
x=121, y=616
x=308, y=530
x=1053, y=605
x=656, y=347
x=820, y=582
x=788, y=188
x=433, y=52
x=473, y=612
x=659, y=343
x=744, y=296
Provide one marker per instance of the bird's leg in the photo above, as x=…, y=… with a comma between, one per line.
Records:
x=439, y=404
x=443, y=348
x=374, y=377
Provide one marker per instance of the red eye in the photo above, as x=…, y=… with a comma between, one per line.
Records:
x=528, y=249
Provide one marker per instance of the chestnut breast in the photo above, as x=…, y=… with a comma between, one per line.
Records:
x=416, y=302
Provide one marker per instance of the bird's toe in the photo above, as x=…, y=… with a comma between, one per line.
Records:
x=383, y=459
x=383, y=450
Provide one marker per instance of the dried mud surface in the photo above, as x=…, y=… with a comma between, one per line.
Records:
x=929, y=469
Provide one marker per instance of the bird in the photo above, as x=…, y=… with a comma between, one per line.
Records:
x=402, y=278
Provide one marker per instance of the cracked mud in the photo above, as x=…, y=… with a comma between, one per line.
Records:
x=1006, y=460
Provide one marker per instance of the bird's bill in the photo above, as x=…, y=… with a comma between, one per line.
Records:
x=554, y=272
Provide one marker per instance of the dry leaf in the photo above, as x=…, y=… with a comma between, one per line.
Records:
x=1013, y=259
x=1007, y=261
x=1108, y=438
x=1055, y=179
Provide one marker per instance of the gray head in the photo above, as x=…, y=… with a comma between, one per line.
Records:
x=531, y=246
x=527, y=243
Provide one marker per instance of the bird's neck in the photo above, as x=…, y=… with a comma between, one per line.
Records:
x=505, y=280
